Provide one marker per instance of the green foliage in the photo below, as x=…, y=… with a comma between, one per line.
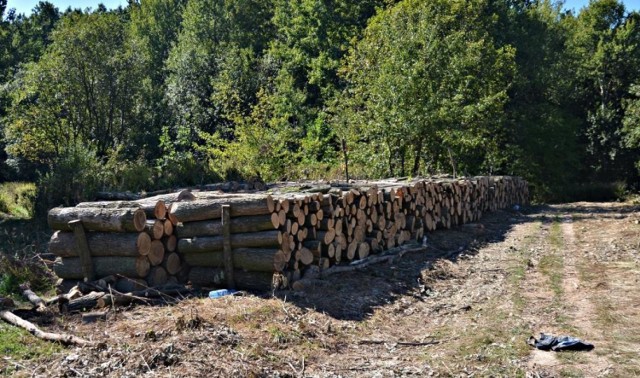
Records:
x=182, y=92
x=17, y=199
x=15, y=271
x=18, y=344
x=605, y=44
x=631, y=121
x=72, y=178
x=83, y=89
x=595, y=192
x=431, y=85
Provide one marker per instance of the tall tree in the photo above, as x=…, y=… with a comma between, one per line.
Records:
x=606, y=47
x=82, y=90
x=210, y=30
x=153, y=30
x=540, y=120
x=431, y=85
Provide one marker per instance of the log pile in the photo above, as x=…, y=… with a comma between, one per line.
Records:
x=261, y=240
x=134, y=241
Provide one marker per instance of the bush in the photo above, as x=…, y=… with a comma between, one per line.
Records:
x=589, y=192
x=74, y=177
x=17, y=199
x=14, y=271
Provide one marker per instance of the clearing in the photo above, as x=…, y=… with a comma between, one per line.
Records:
x=465, y=306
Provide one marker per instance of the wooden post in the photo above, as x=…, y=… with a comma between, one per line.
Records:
x=226, y=246
x=83, y=249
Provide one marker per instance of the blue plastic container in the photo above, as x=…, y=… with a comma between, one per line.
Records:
x=221, y=293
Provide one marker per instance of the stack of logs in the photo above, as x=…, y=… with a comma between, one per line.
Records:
x=134, y=241
x=259, y=240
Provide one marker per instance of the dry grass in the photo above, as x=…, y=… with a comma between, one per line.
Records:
x=464, y=306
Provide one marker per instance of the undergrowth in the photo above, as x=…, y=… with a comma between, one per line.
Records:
x=18, y=345
x=17, y=199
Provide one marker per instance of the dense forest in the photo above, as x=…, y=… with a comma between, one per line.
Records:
x=165, y=93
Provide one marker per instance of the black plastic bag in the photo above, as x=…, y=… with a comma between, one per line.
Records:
x=559, y=343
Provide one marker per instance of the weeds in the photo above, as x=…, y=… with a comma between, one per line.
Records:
x=18, y=345
x=14, y=272
x=17, y=200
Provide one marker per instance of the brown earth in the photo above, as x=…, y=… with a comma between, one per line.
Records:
x=464, y=306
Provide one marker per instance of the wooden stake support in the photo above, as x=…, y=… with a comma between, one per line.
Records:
x=83, y=249
x=226, y=244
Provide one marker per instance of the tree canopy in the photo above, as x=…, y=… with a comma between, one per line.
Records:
x=179, y=92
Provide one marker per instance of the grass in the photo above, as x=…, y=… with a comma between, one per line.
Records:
x=17, y=200
x=23, y=239
x=552, y=264
x=519, y=269
x=17, y=344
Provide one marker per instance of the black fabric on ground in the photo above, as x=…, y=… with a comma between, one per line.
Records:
x=559, y=343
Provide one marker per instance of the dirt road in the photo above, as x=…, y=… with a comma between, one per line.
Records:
x=465, y=306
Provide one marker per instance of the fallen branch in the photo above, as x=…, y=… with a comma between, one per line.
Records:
x=313, y=277
x=65, y=339
x=393, y=254
x=148, y=296
x=86, y=302
x=401, y=343
x=32, y=297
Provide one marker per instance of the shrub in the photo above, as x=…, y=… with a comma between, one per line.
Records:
x=15, y=271
x=73, y=177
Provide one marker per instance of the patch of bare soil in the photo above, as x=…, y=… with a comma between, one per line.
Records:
x=464, y=306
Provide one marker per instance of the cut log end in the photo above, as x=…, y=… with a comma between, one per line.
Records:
x=139, y=219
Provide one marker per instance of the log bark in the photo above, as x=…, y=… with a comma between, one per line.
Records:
x=65, y=339
x=198, y=210
x=98, y=219
x=226, y=244
x=71, y=267
x=32, y=297
x=82, y=246
x=238, y=225
x=215, y=243
x=63, y=244
x=83, y=303
x=251, y=259
x=214, y=277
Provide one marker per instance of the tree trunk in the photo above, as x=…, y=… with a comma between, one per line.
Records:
x=214, y=243
x=252, y=259
x=98, y=219
x=83, y=303
x=204, y=209
x=32, y=297
x=63, y=244
x=214, y=227
x=416, y=159
x=71, y=267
